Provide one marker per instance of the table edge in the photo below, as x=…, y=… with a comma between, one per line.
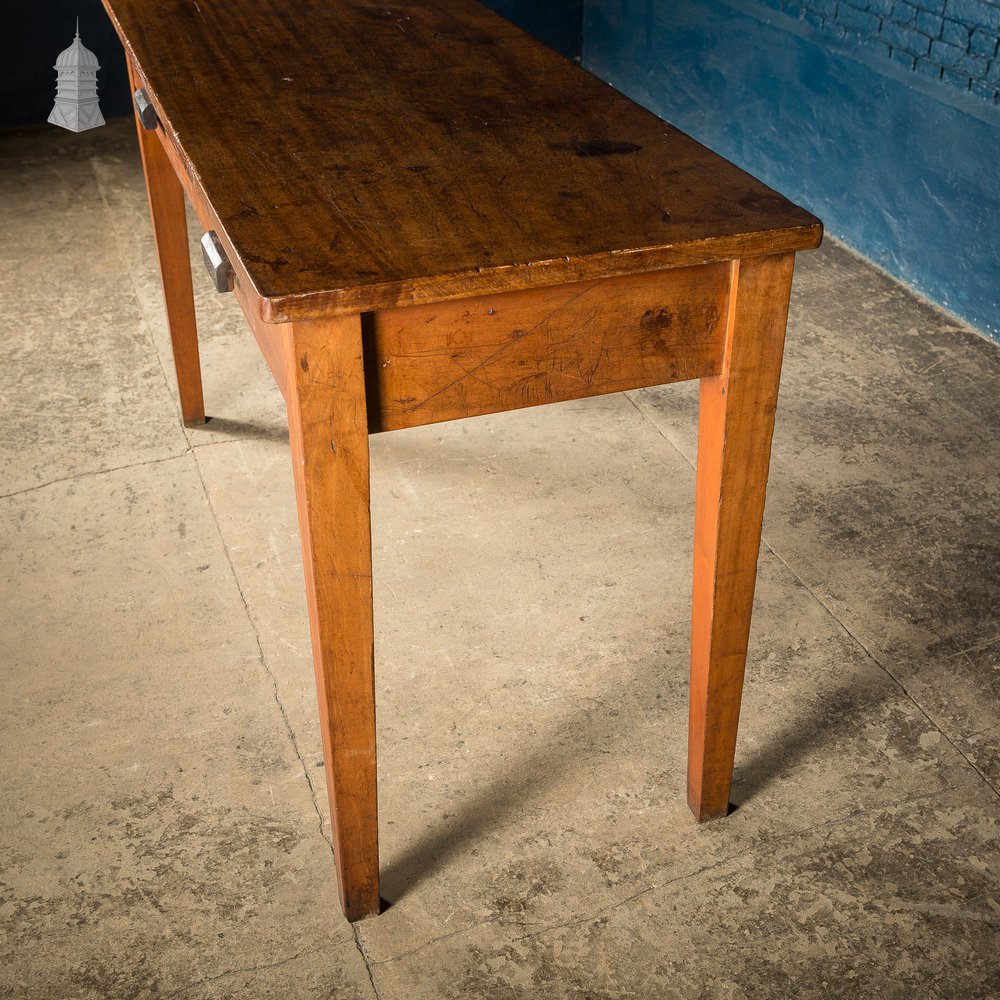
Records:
x=539, y=274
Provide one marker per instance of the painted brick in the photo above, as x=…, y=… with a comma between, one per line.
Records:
x=904, y=12
x=929, y=24
x=905, y=38
x=944, y=53
x=860, y=20
x=959, y=80
x=955, y=33
x=986, y=90
x=983, y=43
x=975, y=66
x=871, y=43
x=977, y=13
x=929, y=69
x=953, y=40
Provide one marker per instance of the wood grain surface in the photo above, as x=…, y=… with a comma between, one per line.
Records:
x=735, y=424
x=166, y=210
x=365, y=155
x=501, y=352
x=328, y=430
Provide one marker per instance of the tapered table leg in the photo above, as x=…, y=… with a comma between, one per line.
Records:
x=736, y=420
x=328, y=426
x=166, y=207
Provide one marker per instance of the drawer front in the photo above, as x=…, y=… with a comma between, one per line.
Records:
x=500, y=352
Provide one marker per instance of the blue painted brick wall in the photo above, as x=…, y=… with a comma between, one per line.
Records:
x=954, y=41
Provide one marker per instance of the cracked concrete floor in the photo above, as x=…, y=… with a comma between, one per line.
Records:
x=163, y=816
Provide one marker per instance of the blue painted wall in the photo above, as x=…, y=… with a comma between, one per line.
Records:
x=954, y=41
x=558, y=23
x=902, y=164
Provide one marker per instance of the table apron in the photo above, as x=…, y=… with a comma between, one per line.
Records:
x=490, y=353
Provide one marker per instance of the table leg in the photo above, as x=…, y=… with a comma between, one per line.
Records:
x=735, y=423
x=166, y=207
x=328, y=426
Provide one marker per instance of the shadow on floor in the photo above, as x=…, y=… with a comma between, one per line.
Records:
x=532, y=776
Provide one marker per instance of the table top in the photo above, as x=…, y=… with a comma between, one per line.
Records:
x=362, y=155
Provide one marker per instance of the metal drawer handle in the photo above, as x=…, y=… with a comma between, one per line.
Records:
x=216, y=262
x=145, y=110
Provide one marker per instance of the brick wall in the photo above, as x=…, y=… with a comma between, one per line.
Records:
x=954, y=41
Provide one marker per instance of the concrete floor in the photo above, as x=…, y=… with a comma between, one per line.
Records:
x=163, y=818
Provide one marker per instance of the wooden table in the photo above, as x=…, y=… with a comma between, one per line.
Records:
x=429, y=215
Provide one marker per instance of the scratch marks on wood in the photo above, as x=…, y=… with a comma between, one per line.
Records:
x=516, y=336
x=493, y=353
x=596, y=147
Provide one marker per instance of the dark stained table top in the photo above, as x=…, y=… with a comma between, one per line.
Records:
x=361, y=155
